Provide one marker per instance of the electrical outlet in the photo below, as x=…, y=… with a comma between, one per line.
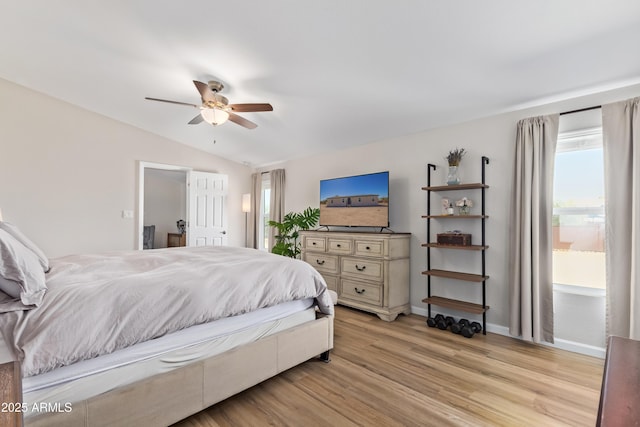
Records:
x=127, y=214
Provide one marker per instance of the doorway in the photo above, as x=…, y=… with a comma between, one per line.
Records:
x=162, y=202
x=168, y=194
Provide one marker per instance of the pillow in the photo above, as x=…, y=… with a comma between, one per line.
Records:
x=10, y=287
x=22, y=274
x=17, y=234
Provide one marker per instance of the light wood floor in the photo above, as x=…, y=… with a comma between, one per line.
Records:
x=406, y=374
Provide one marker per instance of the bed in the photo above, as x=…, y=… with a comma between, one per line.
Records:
x=151, y=337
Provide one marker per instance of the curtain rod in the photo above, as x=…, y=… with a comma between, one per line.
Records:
x=581, y=110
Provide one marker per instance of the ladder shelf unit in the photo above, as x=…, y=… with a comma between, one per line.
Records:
x=469, y=307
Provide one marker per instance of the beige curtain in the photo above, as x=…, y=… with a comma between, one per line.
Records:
x=254, y=214
x=276, y=208
x=530, y=278
x=621, y=140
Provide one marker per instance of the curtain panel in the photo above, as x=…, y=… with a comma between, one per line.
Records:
x=276, y=208
x=531, y=243
x=254, y=214
x=621, y=142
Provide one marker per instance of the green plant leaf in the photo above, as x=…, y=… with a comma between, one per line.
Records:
x=287, y=243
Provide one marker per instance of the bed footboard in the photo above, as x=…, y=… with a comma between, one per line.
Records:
x=170, y=397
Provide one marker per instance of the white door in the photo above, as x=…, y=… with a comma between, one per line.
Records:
x=207, y=223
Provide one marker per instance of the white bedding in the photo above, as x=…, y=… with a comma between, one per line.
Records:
x=97, y=304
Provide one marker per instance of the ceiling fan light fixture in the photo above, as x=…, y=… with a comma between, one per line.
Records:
x=214, y=116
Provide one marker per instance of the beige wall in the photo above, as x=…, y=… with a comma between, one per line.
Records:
x=66, y=174
x=406, y=159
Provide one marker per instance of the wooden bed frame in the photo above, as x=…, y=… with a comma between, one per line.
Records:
x=167, y=398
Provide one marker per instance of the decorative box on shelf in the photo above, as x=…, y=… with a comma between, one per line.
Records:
x=457, y=239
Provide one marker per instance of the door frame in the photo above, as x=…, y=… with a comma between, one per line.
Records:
x=142, y=166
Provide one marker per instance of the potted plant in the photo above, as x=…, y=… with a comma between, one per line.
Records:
x=288, y=231
x=453, y=158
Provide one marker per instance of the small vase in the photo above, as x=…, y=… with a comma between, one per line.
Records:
x=452, y=176
x=463, y=210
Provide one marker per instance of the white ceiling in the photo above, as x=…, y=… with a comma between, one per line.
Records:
x=337, y=72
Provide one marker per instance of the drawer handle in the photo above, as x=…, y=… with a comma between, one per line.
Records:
x=339, y=245
x=368, y=248
x=359, y=292
x=319, y=262
x=313, y=243
x=360, y=268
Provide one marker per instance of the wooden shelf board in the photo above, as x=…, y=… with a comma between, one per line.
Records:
x=455, y=216
x=456, y=304
x=456, y=275
x=466, y=248
x=472, y=186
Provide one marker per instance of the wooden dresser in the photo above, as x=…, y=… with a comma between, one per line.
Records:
x=175, y=240
x=369, y=271
x=620, y=394
x=11, y=391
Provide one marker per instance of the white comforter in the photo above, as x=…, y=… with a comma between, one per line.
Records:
x=99, y=303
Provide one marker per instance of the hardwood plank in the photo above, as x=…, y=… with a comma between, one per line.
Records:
x=404, y=373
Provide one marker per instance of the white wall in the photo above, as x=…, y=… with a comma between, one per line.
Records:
x=67, y=173
x=406, y=159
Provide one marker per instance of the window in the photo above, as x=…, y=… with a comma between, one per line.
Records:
x=265, y=201
x=578, y=210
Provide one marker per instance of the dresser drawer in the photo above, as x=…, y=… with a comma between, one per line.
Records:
x=365, y=269
x=332, y=282
x=369, y=248
x=359, y=291
x=314, y=243
x=322, y=262
x=340, y=246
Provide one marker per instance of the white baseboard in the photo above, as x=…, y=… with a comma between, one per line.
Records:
x=561, y=344
x=577, y=347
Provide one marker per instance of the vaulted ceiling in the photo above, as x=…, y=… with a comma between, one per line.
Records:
x=337, y=72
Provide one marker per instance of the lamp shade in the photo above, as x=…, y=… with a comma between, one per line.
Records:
x=214, y=116
x=246, y=203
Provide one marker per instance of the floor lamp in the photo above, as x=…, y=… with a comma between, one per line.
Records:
x=246, y=208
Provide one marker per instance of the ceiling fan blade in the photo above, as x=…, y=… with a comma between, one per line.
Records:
x=197, y=119
x=246, y=108
x=205, y=91
x=173, y=102
x=242, y=121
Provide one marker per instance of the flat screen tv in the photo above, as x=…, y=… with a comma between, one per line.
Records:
x=355, y=201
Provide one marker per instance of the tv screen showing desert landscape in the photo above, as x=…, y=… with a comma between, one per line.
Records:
x=355, y=201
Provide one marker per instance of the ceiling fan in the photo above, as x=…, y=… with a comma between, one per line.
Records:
x=215, y=108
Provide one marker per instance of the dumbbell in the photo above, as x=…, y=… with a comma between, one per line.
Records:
x=432, y=322
x=472, y=328
x=456, y=328
x=440, y=321
x=445, y=322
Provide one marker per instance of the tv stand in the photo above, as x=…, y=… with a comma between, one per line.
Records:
x=368, y=271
